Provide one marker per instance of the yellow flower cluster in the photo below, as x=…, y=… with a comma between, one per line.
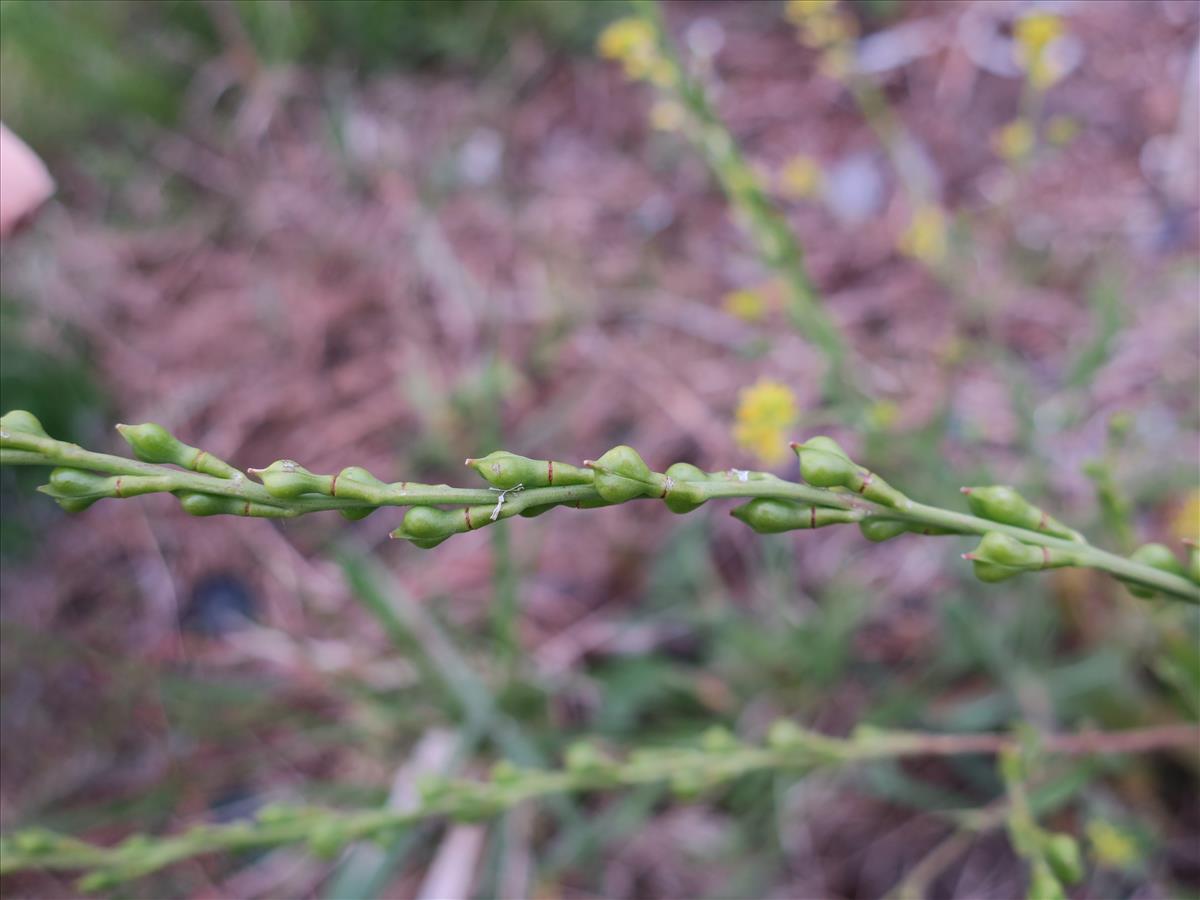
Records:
x=927, y=237
x=1185, y=524
x=1015, y=141
x=1033, y=35
x=1112, y=847
x=747, y=304
x=766, y=411
x=633, y=42
x=823, y=26
x=800, y=178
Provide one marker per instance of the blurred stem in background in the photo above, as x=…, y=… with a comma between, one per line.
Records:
x=647, y=53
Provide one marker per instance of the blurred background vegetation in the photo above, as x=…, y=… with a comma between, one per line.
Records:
x=397, y=234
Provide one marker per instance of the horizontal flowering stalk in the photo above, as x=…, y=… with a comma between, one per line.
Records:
x=718, y=757
x=1016, y=536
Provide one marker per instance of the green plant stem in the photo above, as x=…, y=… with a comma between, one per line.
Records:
x=28, y=449
x=718, y=759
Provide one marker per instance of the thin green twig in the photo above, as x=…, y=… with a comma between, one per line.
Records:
x=1016, y=536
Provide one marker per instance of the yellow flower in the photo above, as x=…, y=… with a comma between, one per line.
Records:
x=624, y=38
x=766, y=412
x=1061, y=130
x=927, y=236
x=1033, y=36
x=1185, y=524
x=882, y=415
x=633, y=43
x=667, y=115
x=1036, y=31
x=746, y=304
x=798, y=11
x=1112, y=847
x=1015, y=140
x=800, y=177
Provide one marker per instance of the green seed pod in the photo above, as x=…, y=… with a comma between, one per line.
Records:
x=1001, y=503
x=199, y=504
x=16, y=424
x=999, y=557
x=428, y=526
x=879, y=530
x=1064, y=856
x=769, y=516
x=785, y=734
x=681, y=497
x=1043, y=885
x=823, y=467
x=505, y=773
x=67, y=482
x=823, y=463
x=154, y=444
x=621, y=475
x=828, y=445
x=35, y=841
x=586, y=759
x=506, y=470
x=1159, y=556
x=326, y=839
x=287, y=480
x=356, y=483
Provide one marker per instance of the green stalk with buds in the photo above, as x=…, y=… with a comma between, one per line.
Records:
x=1016, y=537
x=716, y=759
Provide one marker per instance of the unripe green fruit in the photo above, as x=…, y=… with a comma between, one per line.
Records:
x=823, y=463
x=621, y=475
x=356, y=483
x=769, y=516
x=287, y=480
x=75, y=504
x=822, y=467
x=428, y=526
x=1062, y=852
x=506, y=470
x=880, y=530
x=1001, y=503
x=67, y=482
x=1158, y=556
x=681, y=498
x=1043, y=884
x=828, y=445
x=19, y=422
x=999, y=557
x=198, y=504
x=154, y=444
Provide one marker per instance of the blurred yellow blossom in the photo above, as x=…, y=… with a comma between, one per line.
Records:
x=798, y=11
x=1112, y=847
x=883, y=415
x=632, y=42
x=927, y=236
x=766, y=412
x=1034, y=32
x=667, y=115
x=1033, y=36
x=747, y=304
x=1061, y=130
x=823, y=25
x=800, y=177
x=1185, y=524
x=1015, y=140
